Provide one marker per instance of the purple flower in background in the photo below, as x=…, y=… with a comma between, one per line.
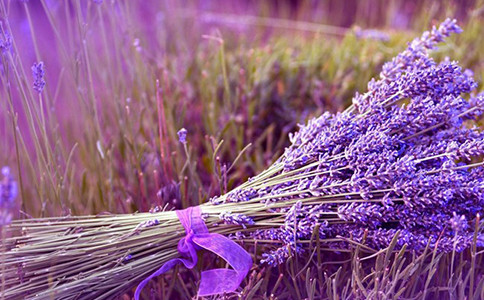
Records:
x=371, y=34
x=6, y=42
x=182, y=135
x=8, y=188
x=38, y=72
x=8, y=193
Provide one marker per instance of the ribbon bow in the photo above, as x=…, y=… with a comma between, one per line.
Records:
x=215, y=281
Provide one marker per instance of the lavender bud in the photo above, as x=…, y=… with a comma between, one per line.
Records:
x=147, y=223
x=182, y=135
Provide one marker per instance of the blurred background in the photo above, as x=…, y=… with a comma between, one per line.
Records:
x=123, y=77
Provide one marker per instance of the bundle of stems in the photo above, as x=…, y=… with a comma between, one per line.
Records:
x=380, y=167
x=100, y=257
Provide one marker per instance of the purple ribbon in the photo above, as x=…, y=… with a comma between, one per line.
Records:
x=214, y=281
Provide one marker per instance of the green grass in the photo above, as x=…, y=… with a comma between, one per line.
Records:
x=102, y=136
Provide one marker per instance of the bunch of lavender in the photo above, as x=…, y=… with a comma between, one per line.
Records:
x=402, y=158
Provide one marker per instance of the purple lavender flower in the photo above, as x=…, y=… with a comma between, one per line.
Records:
x=8, y=188
x=147, y=223
x=367, y=214
x=182, y=135
x=426, y=42
x=8, y=193
x=275, y=257
x=236, y=219
x=371, y=34
x=414, y=56
x=239, y=195
x=6, y=42
x=458, y=223
x=38, y=72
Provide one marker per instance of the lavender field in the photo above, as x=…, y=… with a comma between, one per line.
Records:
x=325, y=149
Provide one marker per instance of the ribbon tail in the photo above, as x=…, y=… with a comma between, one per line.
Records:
x=218, y=281
x=165, y=267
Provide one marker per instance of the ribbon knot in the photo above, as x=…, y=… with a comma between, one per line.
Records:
x=185, y=243
x=198, y=237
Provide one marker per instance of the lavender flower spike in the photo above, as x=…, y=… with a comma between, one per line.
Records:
x=236, y=219
x=5, y=43
x=38, y=72
x=8, y=193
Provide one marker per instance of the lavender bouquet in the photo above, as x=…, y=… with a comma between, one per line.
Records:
x=403, y=163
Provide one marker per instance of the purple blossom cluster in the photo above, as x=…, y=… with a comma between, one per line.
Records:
x=8, y=193
x=403, y=158
x=299, y=224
